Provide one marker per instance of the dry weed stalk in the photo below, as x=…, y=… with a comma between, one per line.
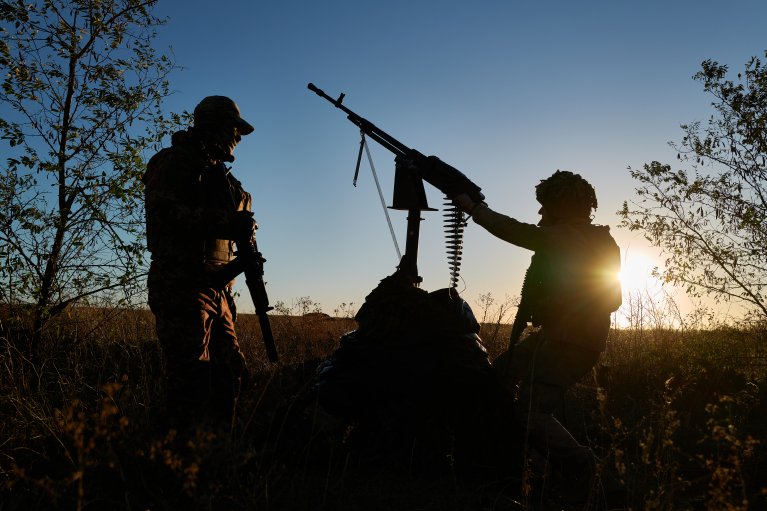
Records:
x=676, y=416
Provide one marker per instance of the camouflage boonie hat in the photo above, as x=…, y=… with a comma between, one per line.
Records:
x=216, y=109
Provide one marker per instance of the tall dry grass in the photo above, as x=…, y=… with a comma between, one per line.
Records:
x=677, y=415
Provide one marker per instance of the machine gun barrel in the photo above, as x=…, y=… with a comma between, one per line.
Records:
x=367, y=127
x=434, y=171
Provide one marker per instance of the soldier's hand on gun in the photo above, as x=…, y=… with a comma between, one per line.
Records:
x=243, y=225
x=446, y=178
x=465, y=202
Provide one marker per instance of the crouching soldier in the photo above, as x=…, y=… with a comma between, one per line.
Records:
x=570, y=290
x=194, y=209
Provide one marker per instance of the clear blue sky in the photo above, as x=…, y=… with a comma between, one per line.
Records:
x=506, y=91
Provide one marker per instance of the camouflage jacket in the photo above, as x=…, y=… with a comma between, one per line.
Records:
x=189, y=207
x=576, y=275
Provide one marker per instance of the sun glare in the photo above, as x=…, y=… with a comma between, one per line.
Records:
x=636, y=274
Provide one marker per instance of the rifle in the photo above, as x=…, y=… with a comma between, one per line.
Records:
x=413, y=167
x=253, y=263
x=250, y=261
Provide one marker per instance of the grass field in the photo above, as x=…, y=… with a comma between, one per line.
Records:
x=678, y=416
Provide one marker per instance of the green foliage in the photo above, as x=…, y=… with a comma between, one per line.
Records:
x=81, y=96
x=711, y=219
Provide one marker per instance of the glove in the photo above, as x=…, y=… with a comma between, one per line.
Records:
x=465, y=202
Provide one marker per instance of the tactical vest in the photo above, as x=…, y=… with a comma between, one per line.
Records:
x=218, y=190
x=207, y=189
x=572, y=294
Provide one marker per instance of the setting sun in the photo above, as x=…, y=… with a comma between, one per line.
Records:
x=636, y=273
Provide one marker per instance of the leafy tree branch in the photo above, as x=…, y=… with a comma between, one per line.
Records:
x=84, y=87
x=710, y=218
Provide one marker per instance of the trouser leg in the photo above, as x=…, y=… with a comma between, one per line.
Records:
x=536, y=406
x=187, y=379
x=203, y=361
x=228, y=366
x=546, y=371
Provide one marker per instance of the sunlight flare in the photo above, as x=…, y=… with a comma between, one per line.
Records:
x=636, y=273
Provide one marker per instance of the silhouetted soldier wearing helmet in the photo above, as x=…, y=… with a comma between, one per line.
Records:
x=194, y=209
x=570, y=290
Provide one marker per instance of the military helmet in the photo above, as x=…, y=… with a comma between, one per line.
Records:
x=567, y=193
x=214, y=110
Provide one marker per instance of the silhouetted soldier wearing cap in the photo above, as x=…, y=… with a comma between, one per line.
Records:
x=194, y=209
x=570, y=290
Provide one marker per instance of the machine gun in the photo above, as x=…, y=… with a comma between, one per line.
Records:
x=411, y=170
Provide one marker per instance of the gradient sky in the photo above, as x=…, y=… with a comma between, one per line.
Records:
x=506, y=91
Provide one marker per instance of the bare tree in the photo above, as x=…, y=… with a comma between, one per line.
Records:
x=711, y=219
x=82, y=93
